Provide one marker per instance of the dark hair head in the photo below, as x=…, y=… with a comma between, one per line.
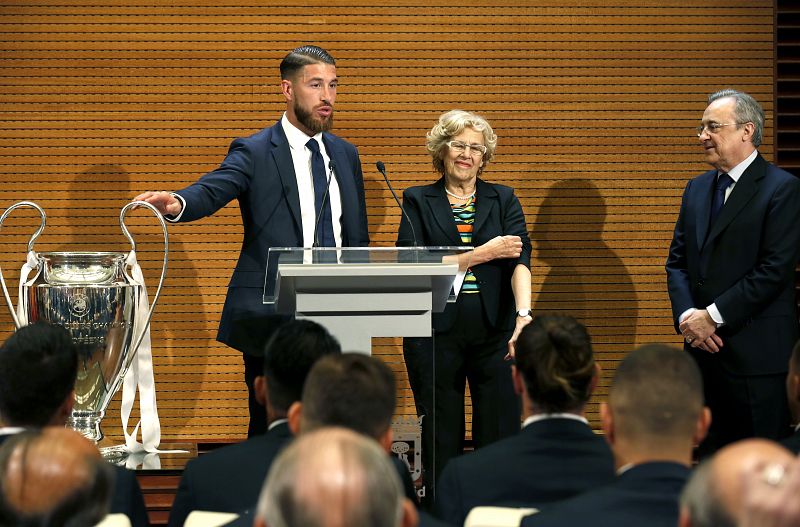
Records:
x=303, y=56
x=554, y=355
x=657, y=394
x=288, y=357
x=351, y=390
x=38, y=367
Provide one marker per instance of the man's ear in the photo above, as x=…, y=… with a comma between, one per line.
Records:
x=794, y=386
x=607, y=421
x=598, y=372
x=701, y=428
x=295, y=416
x=260, y=390
x=64, y=411
x=410, y=514
x=516, y=378
x=287, y=89
x=386, y=439
x=684, y=520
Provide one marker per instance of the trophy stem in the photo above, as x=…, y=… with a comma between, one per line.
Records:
x=87, y=423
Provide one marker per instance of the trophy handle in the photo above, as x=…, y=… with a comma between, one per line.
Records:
x=127, y=233
x=30, y=249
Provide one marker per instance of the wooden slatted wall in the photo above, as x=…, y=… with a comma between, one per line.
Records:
x=594, y=102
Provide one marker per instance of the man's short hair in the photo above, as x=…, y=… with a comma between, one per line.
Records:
x=38, y=367
x=351, y=390
x=288, y=357
x=656, y=394
x=42, y=486
x=303, y=56
x=554, y=356
x=332, y=474
x=701, y=501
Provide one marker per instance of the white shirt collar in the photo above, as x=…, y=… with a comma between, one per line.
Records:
x=560, y=415
x=737, y=171
x=296, y=137
x=276, y=422
x=10, y=430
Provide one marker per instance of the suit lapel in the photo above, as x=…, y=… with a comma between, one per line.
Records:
x=706, y=185
x=347, y=188
x=486, y=201
x=742, y=193
x=282, y=155
x=439, y=206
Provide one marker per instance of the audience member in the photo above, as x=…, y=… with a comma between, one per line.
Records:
x=38, y=368
x=793, y=392
x=229, y=479
x=770, y=495
x=53, y=477
x=716, y=493
x=556, y=455
x=334, y=477
x=653, y=418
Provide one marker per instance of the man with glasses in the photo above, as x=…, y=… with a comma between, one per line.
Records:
x=731, y=274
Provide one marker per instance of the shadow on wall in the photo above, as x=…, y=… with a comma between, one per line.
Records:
x=586, y=279
x=95, y=199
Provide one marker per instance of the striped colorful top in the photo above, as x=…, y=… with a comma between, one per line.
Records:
x=465, y=217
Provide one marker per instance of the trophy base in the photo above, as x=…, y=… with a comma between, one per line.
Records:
x=87, y=424
x=115, y=455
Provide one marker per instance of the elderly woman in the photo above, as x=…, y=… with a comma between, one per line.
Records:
x=473, y=335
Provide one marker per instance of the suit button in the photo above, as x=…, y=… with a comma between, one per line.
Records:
x=700, y=283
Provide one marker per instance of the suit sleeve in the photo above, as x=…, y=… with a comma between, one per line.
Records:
x=678, y=282
x=448, y=506
x=221, y=186
x=778, y=255
x=514, y=224
x=184, y=502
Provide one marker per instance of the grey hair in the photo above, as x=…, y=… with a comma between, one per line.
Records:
x=747, y=110
x=450, y=125
x=374, y=494
x=700, y=500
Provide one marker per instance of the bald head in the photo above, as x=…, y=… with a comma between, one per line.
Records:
x=53, y=474
x=332, y=477
x=714, y=495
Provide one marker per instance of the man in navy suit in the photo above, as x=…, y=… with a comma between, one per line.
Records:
x=229, y=479
x=653, y=418
x=556, y=455
x=297, y=185
x=731, y=270
x=38, y=367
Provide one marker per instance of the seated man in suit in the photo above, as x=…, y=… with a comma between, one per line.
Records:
x=229, y=479
x=334, y=477
x=556, y=455
x=793, y=392
x=38, y=368
x=652, y=420
x=716, y=494
x=53, y=477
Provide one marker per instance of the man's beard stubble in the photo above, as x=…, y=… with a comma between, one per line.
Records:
x=307, y=119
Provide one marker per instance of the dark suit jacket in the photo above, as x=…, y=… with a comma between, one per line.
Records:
x=126, y=497
x=545, y=462
x=228, y=479
x=745, y=264
x=258, y=171
x=497, y=213
x=646, y=494
x=793, y=442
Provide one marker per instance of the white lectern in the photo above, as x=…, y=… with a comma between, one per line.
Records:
x=358, y=293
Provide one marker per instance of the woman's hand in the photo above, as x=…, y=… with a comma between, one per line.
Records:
x=500, y=247
x=521, y=323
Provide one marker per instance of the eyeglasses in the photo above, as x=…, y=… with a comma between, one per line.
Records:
x=712, y=128
x=459, y=147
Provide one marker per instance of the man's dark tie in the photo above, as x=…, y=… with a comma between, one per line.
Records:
x=723, y=182
x=323, y=232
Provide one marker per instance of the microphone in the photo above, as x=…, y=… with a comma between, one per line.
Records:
x=382, y=169
x=331, y=173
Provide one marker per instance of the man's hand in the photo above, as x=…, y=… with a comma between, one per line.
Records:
x=166, y=203
x=699, y=331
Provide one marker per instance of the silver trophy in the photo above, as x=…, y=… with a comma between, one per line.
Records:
x=93, y=296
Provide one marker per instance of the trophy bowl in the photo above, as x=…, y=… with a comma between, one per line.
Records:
x=94, y=297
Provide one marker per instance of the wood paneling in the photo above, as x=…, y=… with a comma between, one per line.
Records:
x=594, y=103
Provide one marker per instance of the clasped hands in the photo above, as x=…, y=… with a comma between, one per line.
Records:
x=699, y=331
